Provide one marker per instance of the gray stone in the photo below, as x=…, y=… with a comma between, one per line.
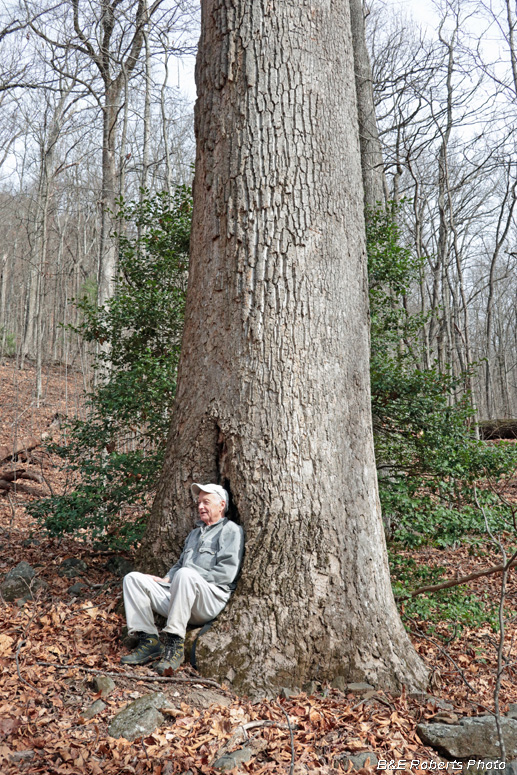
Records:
x=21, y=582
x=119, y=566
x=22, y=756
x=230, y=760
x=311, y=687
x=339, y=682
x=99, y=546
x=96, y=707
x=358, y=760
x=359, y=688
x=140, y=717
x=22, y=571
x=512, y=711
x=206, y=698
x=436, y=701
x=472, y=738
x=77, y=589
x=104, y=684
x=286, y=693
x=72, y=567
x=445, y=717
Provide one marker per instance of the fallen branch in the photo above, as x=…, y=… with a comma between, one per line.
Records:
x=457, y=582
x=134, y=677
x=20, y=645
x=240, y=734
x=291, y=769
x=27, y=445
x=21, y=448
x=17, y=487
x=10, y=476
x=33, y=477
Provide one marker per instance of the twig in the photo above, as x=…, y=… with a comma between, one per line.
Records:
x=268, y=723
x=502, y=567
x=291, y=769
x=500, y=646
x=375, y=697
x=242, y=732
x=133, y=677
x=20, y=645
x=469, y=686
x=47, y=482
x=13, y=514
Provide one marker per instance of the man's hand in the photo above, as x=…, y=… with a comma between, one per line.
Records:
x=165, y=580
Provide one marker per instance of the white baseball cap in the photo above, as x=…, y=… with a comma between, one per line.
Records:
x=214, y=488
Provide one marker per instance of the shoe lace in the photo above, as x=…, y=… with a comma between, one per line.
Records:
x=144, y=641
x=173, y=646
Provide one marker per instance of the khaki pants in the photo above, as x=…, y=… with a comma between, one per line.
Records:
x=188, y=599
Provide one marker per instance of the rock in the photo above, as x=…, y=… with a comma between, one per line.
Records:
x=104, y=684
x=230, y=760
x=119, y=566
x=21, y=582
x=424, y=697
x=140, y=717
x=512, y=711
x=77, y=589
x=100, y=546
x=358, y=760
x=205, y=698
x=22, y=571
x=472, y=738
x=22, y=756
x=339, y=682
x=444, y=717
x=311, y=687
x=96, y=707
x=72, y=567
x=286, y=693
x=359, y=688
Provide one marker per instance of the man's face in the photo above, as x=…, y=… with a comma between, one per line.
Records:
x=210, y=507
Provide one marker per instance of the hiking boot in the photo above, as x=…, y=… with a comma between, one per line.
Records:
x=149, y=647
x=174, y=654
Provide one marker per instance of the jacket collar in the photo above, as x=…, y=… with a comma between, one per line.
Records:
x=221, y=521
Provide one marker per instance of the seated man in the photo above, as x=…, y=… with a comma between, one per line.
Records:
x=194, y=591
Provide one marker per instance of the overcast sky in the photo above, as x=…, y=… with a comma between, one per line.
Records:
x=421, y=10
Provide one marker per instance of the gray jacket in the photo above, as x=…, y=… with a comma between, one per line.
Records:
x=215, y=551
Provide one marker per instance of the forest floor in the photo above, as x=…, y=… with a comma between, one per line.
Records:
x=52, y=647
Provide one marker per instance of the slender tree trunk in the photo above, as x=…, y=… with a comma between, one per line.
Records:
x=273, y=394
x=165, y=123
x=372, y=166
x=147, y=112
x=108, y=247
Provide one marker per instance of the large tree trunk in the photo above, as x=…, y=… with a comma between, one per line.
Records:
x=273, y=395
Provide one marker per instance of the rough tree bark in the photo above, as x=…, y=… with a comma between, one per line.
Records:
x=273, y=395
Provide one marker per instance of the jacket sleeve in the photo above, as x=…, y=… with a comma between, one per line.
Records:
x=229, y=556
